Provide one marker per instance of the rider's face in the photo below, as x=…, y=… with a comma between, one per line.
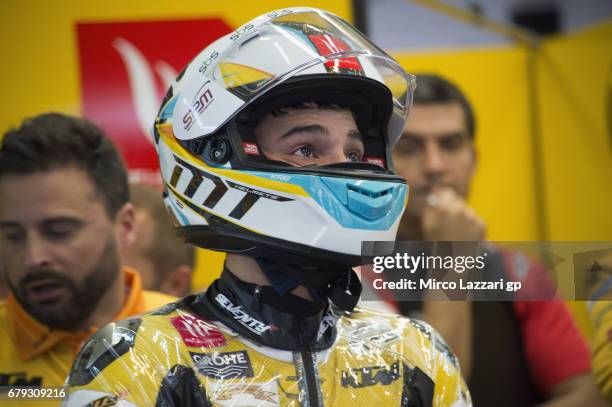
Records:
x=307, y=136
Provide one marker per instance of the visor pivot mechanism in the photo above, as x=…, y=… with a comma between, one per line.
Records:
x=217, y=151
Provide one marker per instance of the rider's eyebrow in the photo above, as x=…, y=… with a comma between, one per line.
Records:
x=312, y=128
x=355, y=135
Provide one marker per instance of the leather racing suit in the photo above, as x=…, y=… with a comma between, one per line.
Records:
x=224, y=347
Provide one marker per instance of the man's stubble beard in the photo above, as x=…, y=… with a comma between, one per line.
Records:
x=83, y=298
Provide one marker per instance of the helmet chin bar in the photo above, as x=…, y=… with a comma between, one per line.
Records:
x=253, y=245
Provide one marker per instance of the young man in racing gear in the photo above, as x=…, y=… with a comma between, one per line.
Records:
x=275, y=146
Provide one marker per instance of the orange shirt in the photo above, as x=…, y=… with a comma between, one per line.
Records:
x=33, y=354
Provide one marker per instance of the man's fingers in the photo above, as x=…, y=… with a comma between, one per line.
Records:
x=432, y=200
x=443, y=201
x=448, y=217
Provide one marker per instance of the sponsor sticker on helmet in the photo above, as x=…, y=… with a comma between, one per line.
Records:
x=197, y=332
x=327, y=44
x=201, y=100
x=241, y=31
x=375, y=160
x=250, y=148
x=280, y=13
x=206, y=62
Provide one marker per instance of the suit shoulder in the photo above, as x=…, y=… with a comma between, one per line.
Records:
x=104, y=347
x=413, y=332
x=142, y=334
x=395, y=320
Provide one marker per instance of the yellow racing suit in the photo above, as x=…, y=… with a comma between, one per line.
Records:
x=225, y=348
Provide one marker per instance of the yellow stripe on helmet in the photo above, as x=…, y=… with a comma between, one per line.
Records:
x=165, y=132
x=185, y=202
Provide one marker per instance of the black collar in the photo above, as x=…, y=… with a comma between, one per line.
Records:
x=233, y=303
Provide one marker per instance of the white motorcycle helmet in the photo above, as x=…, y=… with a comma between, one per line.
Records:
x=220, y=189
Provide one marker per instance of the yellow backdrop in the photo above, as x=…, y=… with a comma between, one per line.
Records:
x=575, y=75
x=575, y=82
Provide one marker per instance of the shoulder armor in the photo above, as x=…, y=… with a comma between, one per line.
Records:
x=106, y=345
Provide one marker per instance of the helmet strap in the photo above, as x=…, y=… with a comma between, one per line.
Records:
x=340, y=286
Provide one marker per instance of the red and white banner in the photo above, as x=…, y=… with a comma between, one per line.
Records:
x=126, y=68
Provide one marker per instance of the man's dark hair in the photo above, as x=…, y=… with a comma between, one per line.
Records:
x=433, y=89
x=54, y=141
x=282, y=111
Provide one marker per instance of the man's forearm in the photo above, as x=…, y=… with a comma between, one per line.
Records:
x=576, y=392
x=453, y=320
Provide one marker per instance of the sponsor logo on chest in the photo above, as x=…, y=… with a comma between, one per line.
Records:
x=370, y=376
x=223, y=365
x=243, y=394
x=198, y=333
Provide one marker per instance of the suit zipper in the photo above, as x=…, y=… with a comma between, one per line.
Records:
x=310, y=376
